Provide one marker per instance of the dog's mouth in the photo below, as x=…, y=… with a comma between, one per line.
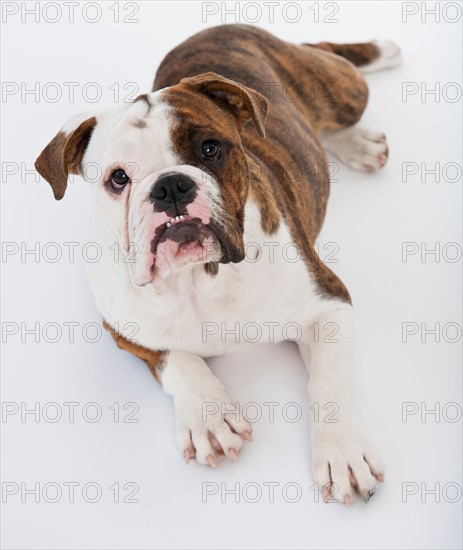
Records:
x=188, y=231
x=185, y=231
x=181, y=241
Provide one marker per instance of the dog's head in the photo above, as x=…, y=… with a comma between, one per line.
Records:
x=169, y=171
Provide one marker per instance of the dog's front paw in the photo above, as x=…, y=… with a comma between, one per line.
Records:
x=210, y=427
x=345, y=463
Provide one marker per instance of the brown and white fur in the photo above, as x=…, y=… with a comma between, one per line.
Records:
x=268, y=183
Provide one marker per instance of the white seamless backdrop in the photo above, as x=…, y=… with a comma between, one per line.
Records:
x=370, y=217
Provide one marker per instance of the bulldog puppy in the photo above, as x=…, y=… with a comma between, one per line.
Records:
x=226, y=155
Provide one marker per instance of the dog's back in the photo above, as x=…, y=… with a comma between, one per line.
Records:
x=315, y=79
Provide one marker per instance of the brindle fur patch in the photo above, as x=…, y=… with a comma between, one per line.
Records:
x=140, y=123
x=143, y=97
x=154, y=360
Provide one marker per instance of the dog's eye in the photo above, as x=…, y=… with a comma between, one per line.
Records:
x=211, y=150
x=119, y=179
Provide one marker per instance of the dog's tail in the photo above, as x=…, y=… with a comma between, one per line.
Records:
x=367, y=56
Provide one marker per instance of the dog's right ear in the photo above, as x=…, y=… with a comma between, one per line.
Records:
x=240, y=100
x=64, y=154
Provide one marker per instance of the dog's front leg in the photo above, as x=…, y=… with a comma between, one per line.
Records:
x=209, y=424
x=344, y=461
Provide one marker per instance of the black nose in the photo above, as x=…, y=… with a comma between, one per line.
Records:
x=172, y=192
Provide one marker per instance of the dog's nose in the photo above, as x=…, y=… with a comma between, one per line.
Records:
x=172, y=192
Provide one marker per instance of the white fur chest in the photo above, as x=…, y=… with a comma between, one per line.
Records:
x=256, y=301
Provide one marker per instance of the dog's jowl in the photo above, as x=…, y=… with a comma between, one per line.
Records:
x=199, y=178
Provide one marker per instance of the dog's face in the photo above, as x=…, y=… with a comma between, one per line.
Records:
x=169, y=172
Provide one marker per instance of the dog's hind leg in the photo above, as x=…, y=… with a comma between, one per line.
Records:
x=360, y=148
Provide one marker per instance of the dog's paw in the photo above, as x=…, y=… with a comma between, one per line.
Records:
x=359, y=148
x=390, y=57
x=345, y=463
x=210, y=427
x=367, y=150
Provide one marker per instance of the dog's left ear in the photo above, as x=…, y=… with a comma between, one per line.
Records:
x=64, y=154
x=243, y=102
